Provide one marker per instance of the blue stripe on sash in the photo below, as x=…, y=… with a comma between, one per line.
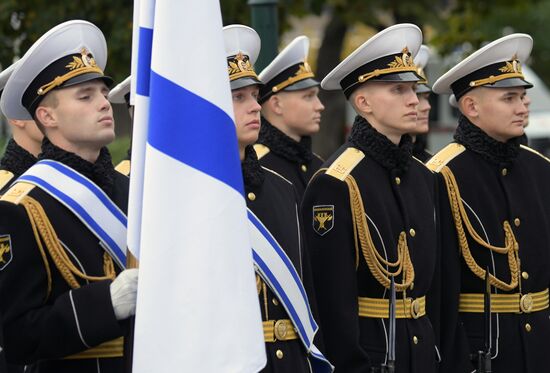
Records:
x=81, y=212
x=91, y=187
x=285, y=259
x=320, y=364
x=282, y=294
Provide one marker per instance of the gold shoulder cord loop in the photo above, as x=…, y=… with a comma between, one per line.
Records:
x=376, y=263
x=511, y=247
x=44, y=231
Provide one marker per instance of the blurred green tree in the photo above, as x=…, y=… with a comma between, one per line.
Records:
x=451, y=26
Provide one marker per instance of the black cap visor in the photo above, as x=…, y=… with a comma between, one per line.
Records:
x=302, y=84
x=407, y=76
x=423, y=88
x=83, y=78
x=504, y=83
x=510, y=83
x=244, y=82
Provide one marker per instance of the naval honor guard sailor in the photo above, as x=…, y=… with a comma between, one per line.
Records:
x=291, y=114
x=23, y=148
x=120, y=94
x=370, y=214
x=289, y=327
x=423, y=91
x=65, y=293
x=495, y=216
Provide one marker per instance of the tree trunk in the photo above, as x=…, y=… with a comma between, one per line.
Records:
x=332, y=133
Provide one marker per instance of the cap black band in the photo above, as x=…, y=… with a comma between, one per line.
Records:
x=374, y=70
x=286, y=78
x=491, y=75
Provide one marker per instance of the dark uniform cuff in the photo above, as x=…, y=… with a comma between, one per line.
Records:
x=94, y=313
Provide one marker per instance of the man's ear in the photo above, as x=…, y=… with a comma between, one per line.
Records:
x=46, y=116
x=361, y=101
x=275, y=104
x=469, y=106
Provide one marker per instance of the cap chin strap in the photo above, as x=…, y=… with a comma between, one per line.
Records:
x=493, y=79
x=63, y=78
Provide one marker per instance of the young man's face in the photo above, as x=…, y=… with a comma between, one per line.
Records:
x=501, y=112
x=423, y=108
x=247, y=114
x=83, y=115
x=392, y=106
x=301, y=111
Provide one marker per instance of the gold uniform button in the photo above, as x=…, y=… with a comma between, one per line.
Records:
x=251, y=196
x=525, y=275
x=528, y=327
x=504, y=172
x=397, y=180
x=415, y=340
x=275, y=301
x=517, y=222
x=304, y=168
x=412, y=232
x=279, y=354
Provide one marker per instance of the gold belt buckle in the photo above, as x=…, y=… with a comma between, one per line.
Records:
x=281, y=329
x=415, y=309
x=526, y=303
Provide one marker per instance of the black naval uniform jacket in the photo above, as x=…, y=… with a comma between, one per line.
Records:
x=497, y=182
x=13, y=164
x=293, y=160
x=273, y=200
x=398, y=196
x=46, y=321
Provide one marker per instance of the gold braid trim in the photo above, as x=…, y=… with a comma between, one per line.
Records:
x=41, y=248
x=63, y=78
x=44, y=230
x=511, y=247
x=376, y=263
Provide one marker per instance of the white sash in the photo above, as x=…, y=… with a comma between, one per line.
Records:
x=86, y=200
x=278, y=272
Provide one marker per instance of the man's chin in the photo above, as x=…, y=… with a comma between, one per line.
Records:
x=105, y=140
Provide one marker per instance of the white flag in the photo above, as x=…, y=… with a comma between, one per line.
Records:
x=197, y=308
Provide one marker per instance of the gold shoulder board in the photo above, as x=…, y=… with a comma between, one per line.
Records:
x=534, y=151
x=17, y=192
x=345, y=163
x=123, y=167
x=5, y=178
x=261, y=150
x=444, y=156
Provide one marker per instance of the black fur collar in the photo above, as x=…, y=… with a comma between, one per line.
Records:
x=253, y=173
x=394, y=158
x=16, y=159
x=474, y=139
x=102, y=172
x=284, y=146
